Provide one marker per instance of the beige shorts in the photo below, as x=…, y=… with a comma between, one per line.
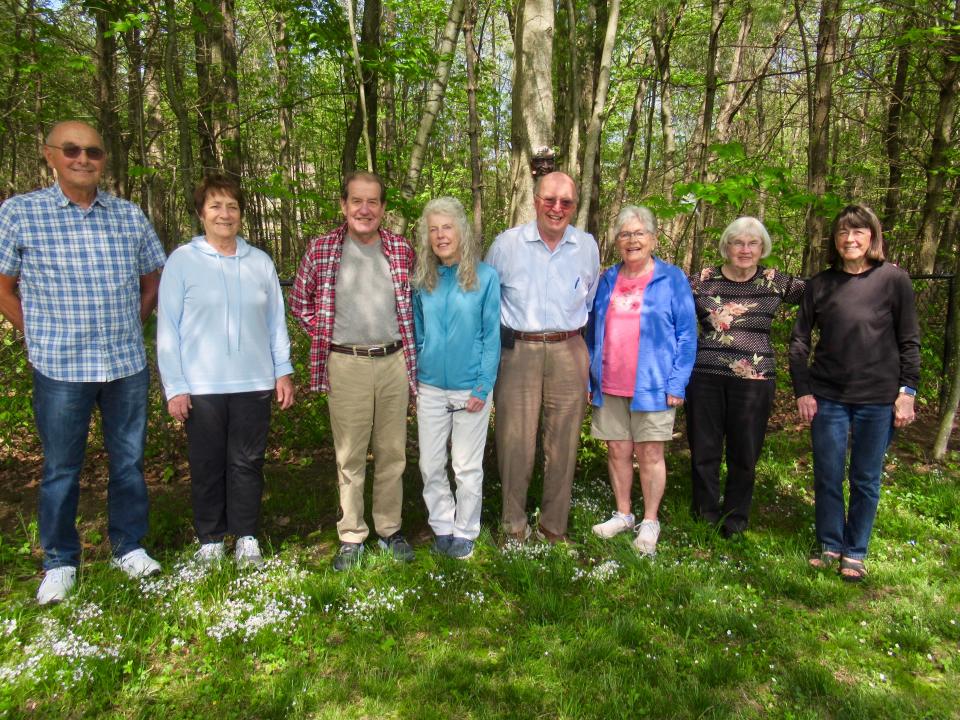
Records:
x=615, y=421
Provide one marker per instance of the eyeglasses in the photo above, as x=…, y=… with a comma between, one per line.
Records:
x=451, y=408
x=748, y=245
x=564, y=203
x=72, y=151
x=630, y=234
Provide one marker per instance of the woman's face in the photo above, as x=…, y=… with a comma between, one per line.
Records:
x=220, y=216
x=635, y=243
x=744, y=251
x=444, y=238
x=853, y=244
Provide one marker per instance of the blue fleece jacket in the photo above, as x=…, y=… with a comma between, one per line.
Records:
x=668, y=337
x=220, y=321
x=458, y=332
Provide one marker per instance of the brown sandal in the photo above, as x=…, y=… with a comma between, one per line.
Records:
x=856, y=571
x=825, y=560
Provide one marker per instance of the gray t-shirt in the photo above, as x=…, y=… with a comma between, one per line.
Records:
x=366, y=305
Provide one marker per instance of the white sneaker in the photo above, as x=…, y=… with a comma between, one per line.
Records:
x=137, y=564
x=619, y=522
x=647, y=535
x=209, y=554
x=247, y=552
x=57, y=584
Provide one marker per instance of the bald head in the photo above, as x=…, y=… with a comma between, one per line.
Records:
x=65, y=127
x=554, y=199
x=75, y=153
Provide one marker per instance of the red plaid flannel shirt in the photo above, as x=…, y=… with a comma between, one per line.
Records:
x=313, y=299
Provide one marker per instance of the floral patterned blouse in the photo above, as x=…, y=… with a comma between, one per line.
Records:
x=735, y=319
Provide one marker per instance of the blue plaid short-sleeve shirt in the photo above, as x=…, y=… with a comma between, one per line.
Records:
x=79, y=273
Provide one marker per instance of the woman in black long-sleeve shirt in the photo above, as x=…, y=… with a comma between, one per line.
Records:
x=861, y=384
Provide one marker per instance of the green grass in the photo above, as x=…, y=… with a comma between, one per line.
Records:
x=709, y=629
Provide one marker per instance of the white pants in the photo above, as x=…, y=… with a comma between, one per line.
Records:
x=467, y=433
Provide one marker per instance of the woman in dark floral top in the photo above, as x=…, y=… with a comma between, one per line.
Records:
x=732, y=388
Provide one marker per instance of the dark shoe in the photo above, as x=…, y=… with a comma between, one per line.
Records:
x=397, y=546
x=825, y=560
x=441, y=544
x=347, y=556
x=520, y=537
x=461, y=549
x=553, y=538
x=852, y=570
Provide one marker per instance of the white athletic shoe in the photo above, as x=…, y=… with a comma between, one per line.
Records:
x=619, y=522
x=247, y=552
x=648, y=533
x=137, y=564
x=57, y=584
x=209, y=554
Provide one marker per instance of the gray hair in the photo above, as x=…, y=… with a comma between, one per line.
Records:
x=636, y=212
x=745, y=225
x=425, y=275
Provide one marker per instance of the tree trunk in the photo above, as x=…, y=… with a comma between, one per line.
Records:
x=948, y=411
x=819, y=135
x=662, y=37
x=106, y=53
x=532, y=119
x=596, y=118
x=939, y=160
x=363, y=124
x=391, y=168
x=572, y=155
x=476, y=169
x=173, y=75
x=203, y=60
x=891, y=204
x=433, y=102
x=228, y=119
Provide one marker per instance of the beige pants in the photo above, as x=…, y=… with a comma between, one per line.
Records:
x=535, y=377
x=369, y=397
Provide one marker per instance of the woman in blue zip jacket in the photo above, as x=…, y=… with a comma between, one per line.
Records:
x=642, y=338
x=456, y=312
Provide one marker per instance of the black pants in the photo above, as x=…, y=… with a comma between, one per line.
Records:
x=226, y=443
x=738, y=410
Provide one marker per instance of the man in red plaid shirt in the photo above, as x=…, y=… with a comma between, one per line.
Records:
x=352, y=297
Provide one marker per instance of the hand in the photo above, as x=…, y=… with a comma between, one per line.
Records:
x=903, y=413
x=474, y=404
x=179, y=407
x=285, y=391
x=674, y=401
x=807, y=407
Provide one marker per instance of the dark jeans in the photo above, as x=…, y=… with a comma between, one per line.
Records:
x=719, y=407
x=62, y=412
x=226, y=443
x=869, y=429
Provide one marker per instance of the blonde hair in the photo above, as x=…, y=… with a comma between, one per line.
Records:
x=744, y=225
x=425, y=275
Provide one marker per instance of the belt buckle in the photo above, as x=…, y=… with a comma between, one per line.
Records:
x=377, y=351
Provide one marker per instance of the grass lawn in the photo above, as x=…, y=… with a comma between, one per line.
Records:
x=709, y=629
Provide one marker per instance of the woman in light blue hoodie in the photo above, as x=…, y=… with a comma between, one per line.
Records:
x=456, y=313
x=223, y=350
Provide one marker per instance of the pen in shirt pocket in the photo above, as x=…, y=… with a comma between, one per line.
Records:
x=577, y=283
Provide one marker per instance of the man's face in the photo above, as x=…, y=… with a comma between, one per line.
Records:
x=363, y=210
x=80, y=174
x=554, y=204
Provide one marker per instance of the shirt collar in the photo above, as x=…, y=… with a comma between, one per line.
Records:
x=103, y=198
x=569, y=235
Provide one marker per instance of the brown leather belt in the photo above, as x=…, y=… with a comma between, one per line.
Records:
x=545, y=337
x=367, y=351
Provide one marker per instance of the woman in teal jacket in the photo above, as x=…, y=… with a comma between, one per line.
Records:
x=456, y=312
x=642, y=338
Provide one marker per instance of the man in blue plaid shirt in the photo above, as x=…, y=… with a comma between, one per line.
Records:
x=87, y=265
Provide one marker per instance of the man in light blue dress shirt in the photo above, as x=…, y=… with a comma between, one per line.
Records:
x=87, y=267
x=548, y=275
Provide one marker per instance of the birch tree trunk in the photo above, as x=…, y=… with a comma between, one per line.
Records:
x=363, y=124
x=476, y=168
x=596, y=117
x=533, y=112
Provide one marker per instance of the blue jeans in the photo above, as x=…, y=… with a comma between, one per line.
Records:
x=62, y=411
x=870, y=429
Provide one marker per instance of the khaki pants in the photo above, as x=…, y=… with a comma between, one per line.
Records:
x=369, y=395
x=535, y=377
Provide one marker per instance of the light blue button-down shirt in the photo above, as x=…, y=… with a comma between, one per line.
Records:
x=79, y=271
x=542, y=290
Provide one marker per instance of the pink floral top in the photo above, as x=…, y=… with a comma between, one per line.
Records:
x=735, y=319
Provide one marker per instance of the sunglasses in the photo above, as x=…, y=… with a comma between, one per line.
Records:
x=564, y=203
x=73, y=151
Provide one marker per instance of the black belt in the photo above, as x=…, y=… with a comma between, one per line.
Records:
x=367, y=351
x=553, y=336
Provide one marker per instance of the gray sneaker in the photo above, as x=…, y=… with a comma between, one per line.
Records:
x=397, y=546
x=347, y=556
x=461, y=549
x=619, y=522
x=441, y=544
x=648, y=532
x=247, y=552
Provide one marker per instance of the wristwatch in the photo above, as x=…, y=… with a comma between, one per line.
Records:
x=905, y=390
